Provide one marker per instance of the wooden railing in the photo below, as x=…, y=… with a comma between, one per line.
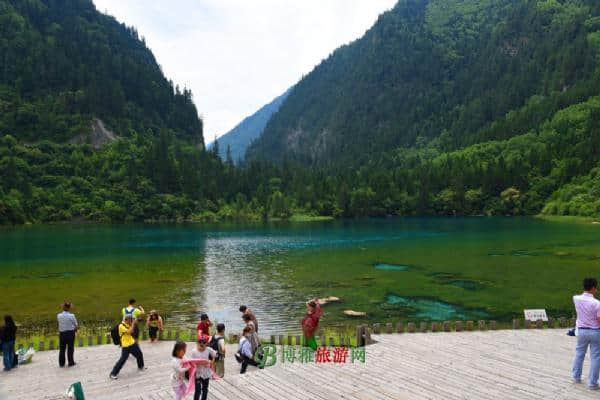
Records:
x=362, y=336
x=363, y=332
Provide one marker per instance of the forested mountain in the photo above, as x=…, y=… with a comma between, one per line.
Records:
x=239, y=138
x=443, y=73
x=444, y=107
x=63, y=63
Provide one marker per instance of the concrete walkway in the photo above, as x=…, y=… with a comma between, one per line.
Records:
x=521, y=364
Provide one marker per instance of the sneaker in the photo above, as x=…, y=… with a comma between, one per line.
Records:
x=72, y=365
x=594, y=387
x=113, y=376
x=143, y=368
x=576, y=380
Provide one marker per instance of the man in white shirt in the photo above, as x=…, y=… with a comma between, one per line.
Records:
x=67, y=326
x=588, y=332
x=245, y=355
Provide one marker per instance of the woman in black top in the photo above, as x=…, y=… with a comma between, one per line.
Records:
x=8, y=335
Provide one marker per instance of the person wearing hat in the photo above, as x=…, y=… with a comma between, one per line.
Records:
x=203, y=374
x=154, y=323
x=128, y=346
x=67, y=326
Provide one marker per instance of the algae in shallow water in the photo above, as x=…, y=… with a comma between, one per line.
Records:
x=391, y=267
x=433, y=309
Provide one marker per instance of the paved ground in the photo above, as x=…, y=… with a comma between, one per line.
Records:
x=523, y=364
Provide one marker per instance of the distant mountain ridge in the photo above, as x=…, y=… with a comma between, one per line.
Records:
x=239, y=138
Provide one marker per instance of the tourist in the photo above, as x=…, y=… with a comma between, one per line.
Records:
x=203, y=373
x=244, y=354
x=588, y=332
x=154, y=323
x=254, y=340
x=203, y=327
x=136, y=311
x=67, y=326
x=8, y=335
x=217, y=343
x=128, y=346
x=310, y=323
x=247, y=311
x=179, y=382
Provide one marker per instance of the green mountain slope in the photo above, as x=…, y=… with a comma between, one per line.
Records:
x=446, y=72
x=239, y=138
x=64, y=63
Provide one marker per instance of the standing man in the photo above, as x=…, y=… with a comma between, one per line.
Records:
x=128, y=346
x=588, y=332
x=247, y=311
x=136, y=312
x=67, y=326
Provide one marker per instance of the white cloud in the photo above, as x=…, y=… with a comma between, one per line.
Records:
x=238, y=55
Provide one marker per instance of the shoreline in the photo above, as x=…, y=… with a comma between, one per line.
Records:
x=575, y=219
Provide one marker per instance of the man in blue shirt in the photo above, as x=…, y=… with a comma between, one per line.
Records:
x=67, y=326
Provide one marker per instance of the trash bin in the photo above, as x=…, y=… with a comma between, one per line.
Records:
x=75, y=391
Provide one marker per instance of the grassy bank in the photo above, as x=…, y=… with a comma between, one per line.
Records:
x=570, y=219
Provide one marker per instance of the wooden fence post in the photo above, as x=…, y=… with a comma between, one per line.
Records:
x=447, y=326
x=377, y=328
x=493, y=325
x=470, y=325
x=527, y=324
x=273, y=339
x=331, y=342
x=551, y=323
x=423, y=327
x=539, y=324
x=481, y=325
x=51, y=345
x=562, y=322
x=389, y=328
x=90, y=341
x=298, y=340
x=80, y=341
x=280, y=340
x=459, y=326
x=516, y=324
x=177, y=334
x=412, y=327
x=400, y=327
x=289, y=340
x=169, y=335
x=434, y=327
x=41, y=346
x=323, y=341
x=360, y=339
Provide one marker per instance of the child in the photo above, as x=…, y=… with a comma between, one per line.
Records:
x=203, y=373
x=203, y=326
x=154, y=323
x=310, y=323
x=217, y=343
x=178, y=381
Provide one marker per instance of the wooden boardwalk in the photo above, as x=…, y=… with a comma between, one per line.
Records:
x=521, y=364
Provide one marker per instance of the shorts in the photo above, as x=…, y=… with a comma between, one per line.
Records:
x=153, y=332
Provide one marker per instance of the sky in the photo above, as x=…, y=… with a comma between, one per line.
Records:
x=237, y=55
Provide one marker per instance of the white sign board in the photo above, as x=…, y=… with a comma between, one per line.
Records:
x=535, y=315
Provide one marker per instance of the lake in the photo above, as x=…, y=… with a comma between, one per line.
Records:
x=407, y=269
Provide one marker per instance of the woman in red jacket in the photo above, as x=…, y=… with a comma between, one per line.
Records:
x=310, y=323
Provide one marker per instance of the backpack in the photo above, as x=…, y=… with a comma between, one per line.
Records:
x=136, y=331
x=214, y=344
x=114, y=334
